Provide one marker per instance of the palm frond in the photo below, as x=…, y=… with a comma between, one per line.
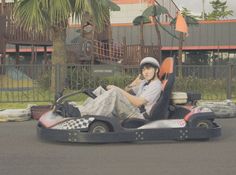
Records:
x=41, y=14
x=141, y=19
x=113, y=6
x=59, y=11
x=29, y=15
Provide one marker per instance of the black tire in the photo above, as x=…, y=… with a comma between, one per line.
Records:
x=222, y=109
x=204, y=124
x=99, y=127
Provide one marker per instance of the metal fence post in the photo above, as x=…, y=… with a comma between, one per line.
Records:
x=229, y=81
x=57, y=79
x=125, y=51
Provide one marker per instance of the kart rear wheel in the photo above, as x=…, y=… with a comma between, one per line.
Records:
x=99, y=127
x=204, y=124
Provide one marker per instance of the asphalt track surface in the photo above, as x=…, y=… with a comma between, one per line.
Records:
x=23, y=153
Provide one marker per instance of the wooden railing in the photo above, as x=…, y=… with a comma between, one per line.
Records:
x=133, y=53
x=17, y=35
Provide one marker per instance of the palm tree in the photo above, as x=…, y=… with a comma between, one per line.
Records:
x=141, y=20
x=40, y=15
x=155, y=11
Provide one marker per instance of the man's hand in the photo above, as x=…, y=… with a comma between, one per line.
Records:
x=136, y=82
x=111, y=87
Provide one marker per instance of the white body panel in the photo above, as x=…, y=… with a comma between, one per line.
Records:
x=174, y=123
x=179, y=97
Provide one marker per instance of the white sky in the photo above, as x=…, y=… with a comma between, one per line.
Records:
x=195, y=6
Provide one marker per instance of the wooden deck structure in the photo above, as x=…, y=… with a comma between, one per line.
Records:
x=102, y=50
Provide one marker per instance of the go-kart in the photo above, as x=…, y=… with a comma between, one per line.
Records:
x=167, y=120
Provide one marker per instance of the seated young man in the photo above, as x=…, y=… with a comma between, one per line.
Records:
x=122, y=104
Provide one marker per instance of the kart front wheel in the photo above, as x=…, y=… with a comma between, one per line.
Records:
x=204, y=124
x=99, y=127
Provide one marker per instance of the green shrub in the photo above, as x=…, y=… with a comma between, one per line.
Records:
x=84, y=78
x=117, y=80
x=209, y=88
x=45, y=81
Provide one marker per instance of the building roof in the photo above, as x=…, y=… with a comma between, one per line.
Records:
x=208, y=35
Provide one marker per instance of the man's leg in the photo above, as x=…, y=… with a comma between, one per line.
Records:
x=111, y=102
x=98, y=91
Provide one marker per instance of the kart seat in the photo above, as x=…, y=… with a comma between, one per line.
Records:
x=167, y=77
x=160, y=108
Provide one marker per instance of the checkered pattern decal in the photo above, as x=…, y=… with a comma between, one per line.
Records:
x=79, y=123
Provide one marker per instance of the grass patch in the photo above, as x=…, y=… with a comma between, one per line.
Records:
x=79, y=99
x=7, y=82
x=34, y=95
x=20, y=105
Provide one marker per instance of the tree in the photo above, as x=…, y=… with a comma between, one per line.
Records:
x=155, y=11
x=187, y=13
x=220, y=10
x=141, y=20
x=40, y=15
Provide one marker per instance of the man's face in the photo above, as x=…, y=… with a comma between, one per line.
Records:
x=148, y=72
